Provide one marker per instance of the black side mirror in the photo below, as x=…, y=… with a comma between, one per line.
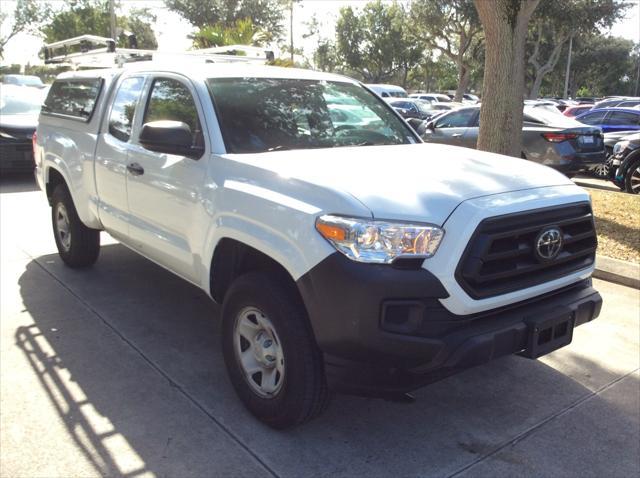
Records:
x=171, y=137
x=431, y=126
x=415, y=123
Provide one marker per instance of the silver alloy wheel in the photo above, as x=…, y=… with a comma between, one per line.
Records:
x=62, y=226
x=602, y=170
x=259, y=352
x=635, y=181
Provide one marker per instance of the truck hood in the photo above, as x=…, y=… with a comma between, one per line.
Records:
x=419, y=182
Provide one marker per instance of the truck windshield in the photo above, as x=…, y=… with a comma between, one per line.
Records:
x=270, y=114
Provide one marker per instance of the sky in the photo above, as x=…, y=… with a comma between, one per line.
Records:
x=171, y=30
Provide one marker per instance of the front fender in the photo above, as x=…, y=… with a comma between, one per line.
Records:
x=296, y=253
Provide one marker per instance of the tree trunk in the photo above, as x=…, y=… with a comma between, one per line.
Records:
x=505, y=28
x=464, y=75
x=405, y=75
x=537, y=83
x=542, y=70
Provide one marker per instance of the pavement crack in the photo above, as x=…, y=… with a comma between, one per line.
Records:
x=159, y=370
x=534, y=428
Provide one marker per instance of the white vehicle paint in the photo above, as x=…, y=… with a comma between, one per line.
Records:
x=421, y=182
x=388, y=91
x=178, y=210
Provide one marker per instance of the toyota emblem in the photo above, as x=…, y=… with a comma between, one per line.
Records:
x=549, y=244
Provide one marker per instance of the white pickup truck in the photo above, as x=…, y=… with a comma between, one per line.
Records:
x=346, y=253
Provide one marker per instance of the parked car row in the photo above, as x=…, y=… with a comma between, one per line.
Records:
x=19, y=109
x=547, y=137
x=612, y=119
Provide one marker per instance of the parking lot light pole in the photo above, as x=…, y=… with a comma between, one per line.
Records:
x=112, y=17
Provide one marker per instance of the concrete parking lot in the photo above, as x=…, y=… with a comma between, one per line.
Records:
x=117, y=371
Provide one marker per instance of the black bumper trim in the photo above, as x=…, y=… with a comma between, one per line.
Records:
x=345, y=301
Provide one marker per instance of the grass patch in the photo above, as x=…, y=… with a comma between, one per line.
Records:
x=618, y=224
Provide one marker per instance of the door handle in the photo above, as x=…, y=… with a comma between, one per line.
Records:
x=456, y=135
x=135, y=169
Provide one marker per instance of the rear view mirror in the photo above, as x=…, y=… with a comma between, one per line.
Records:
x=171, y=137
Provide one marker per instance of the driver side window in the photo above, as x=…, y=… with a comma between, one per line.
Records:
x=172, y=100
x=457, y=119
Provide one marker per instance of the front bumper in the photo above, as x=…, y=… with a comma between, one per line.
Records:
x=383, y=330
x=578, y=162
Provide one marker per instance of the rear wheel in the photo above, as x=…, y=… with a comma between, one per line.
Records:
x=632, y=178
x=77, y=244
x=603, y=171
x=271, y=356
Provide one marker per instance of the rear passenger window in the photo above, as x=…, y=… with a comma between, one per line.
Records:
x=623, y=118
x=172, y=100
x=457, y=119
x=75, y=97
x=594, y=118
x=124, y=106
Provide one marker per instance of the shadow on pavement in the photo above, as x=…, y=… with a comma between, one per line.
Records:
x=174, y=326
x=88, y=440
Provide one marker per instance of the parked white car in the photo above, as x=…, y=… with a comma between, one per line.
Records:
x=388, y=91
x=351, y=258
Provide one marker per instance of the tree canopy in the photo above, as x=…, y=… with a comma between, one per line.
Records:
x=82, y=17
x=555, y=22
x=27, y=17
x=242, y=32
x=453, y=29
x=266, y=15
x=375, y=42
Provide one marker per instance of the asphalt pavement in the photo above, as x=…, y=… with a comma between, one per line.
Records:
x=117, y=371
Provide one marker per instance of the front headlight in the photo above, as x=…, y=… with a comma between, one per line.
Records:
x=380, y=242
x=620, y=146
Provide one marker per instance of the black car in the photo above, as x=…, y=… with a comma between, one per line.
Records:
x=19, y=109
x=626, y=160
x=604, y=170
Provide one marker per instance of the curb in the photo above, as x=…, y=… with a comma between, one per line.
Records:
x=620, y=272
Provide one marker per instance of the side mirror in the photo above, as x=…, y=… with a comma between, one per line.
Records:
x=431, y=126
x=171, y=137
x=416, y=124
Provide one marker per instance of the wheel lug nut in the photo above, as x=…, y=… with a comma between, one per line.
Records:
x=267, y=343
x=270, y=358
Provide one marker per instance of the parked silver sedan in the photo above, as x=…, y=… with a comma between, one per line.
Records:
x=548, y=137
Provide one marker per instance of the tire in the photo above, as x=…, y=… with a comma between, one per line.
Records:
x=632, y=178
x=603, y=171
x=299, y=391
x=77, y=244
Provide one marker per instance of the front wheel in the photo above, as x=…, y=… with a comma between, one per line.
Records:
x=632, y=178
x=270, y=353
x=77, y=244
